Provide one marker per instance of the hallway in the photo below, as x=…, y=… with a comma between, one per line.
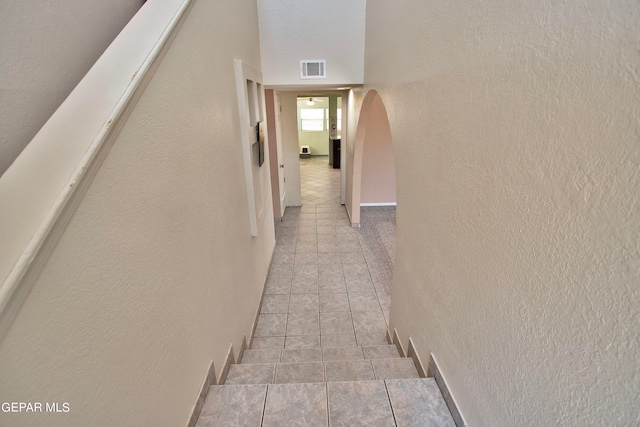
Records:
x=323, y=265
x=319, y=355
x=320, y=187
x=320, y=190
x=137, y=227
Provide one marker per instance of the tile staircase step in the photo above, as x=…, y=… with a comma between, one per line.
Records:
x=314, y=354
x=261, y=356
x=291, y=355
x=251, y=374
x=400, y=402
x=299, y=372
x=351, y=369
x=233, y=405
x=401, y=368
x=418, y=402
x=361, y=403
x=296, y=405
x=342, y=353
x=381, y=352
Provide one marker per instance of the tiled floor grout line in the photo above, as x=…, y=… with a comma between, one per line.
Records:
x=393, y=413
x=287, y=329
x=326, y=385
x=351, y=315
x=264, y=406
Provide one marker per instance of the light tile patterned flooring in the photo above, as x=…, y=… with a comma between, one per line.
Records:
x=414, y=402
x=319, y=354
x=319, y=182
x=323, y=277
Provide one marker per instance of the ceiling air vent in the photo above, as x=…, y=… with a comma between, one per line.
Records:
x=313, y=69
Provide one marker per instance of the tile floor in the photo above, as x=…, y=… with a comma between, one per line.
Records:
x=413, y=402
x=319, y=182
x=323, y=286
x=319, y=355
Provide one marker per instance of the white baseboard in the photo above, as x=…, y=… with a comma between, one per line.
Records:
x=209, y=380
x=435, y=373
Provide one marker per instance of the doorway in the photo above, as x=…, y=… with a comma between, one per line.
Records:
x=373, y=202
x=319, y=138
x=284, y=126
x=276, y=156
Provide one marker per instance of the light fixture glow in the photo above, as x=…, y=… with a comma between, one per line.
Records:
x=310, y=101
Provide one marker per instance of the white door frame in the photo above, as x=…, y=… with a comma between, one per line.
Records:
x=281, y=166
x=250, y=112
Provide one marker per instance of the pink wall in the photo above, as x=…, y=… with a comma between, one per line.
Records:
x=378, y=161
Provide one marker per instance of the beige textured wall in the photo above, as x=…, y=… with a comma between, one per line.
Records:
x=45, y=49
x=157, y=274
x=354, y=106
x=517, y=144
x=378, y=179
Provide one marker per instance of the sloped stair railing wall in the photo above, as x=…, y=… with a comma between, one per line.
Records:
x=41, y=190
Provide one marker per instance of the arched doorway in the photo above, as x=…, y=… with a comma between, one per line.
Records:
x=373, y=196
x=374, y=173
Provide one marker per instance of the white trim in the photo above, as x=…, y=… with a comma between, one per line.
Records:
x=209, y=380
x=80, y=133
x=283, y=202
x=378, y=204
x=344, y=133
x=445, y=390
x=413, y=353
x=243, y=73
x=241, y=89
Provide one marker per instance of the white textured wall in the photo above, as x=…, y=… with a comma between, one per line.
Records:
x=517, y=144
x=45, y=49
x=157, y=274
x=292, y=30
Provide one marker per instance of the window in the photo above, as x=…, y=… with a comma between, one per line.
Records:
x=313, y=119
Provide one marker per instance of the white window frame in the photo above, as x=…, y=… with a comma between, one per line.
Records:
x=324, y=119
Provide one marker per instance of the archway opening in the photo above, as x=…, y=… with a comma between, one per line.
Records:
x=373, y=172
x=373, y=195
